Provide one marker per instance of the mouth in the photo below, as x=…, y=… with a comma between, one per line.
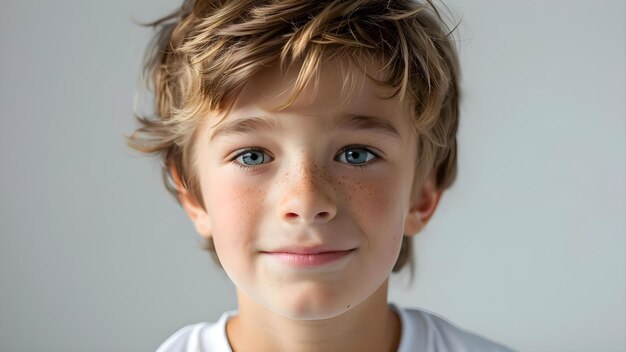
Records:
x=308, y=258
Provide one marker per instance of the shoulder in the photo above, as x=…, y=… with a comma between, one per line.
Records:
x=185, y=339
x=429, y=332
x=200, y=337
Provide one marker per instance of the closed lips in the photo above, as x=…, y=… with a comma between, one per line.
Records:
x=309, y=258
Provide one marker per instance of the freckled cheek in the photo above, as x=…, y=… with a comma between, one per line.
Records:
x=377, y=209
x=374, y=203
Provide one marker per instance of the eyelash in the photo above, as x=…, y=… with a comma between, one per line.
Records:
x=342, y=150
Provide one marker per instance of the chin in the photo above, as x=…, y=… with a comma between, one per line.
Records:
x=313, y=305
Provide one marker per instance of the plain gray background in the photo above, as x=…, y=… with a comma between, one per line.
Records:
x=527, y=248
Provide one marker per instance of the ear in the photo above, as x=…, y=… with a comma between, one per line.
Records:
x=422, y=207
x=194, y=210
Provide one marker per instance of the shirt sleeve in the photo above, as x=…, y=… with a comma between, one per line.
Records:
x=187, y=339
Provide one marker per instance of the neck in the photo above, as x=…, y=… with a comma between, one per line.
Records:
x=370, y=326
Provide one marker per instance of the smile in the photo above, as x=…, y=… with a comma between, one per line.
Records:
x=309, y=259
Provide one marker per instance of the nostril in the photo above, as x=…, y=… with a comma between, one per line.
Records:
x=323, y=214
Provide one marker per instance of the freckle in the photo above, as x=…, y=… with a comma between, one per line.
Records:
x=348, y=306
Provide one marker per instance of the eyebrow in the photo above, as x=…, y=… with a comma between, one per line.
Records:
x=245, y=125
x=365, y=123
x=256, y=124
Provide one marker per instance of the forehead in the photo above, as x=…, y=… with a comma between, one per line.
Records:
x=339, y=95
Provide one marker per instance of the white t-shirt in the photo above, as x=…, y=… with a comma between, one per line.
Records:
x=421, y=332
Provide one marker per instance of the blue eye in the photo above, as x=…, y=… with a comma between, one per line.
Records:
x=353, y=155
x=357, y=156
x=252, y=157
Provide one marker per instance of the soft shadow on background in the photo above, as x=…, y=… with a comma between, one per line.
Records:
x=527, y=248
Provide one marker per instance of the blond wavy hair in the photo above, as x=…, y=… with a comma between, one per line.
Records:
x=203, y=54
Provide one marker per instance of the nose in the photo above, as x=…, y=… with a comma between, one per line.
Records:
x=307, y=197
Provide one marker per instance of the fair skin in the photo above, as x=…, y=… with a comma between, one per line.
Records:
x=302, y=190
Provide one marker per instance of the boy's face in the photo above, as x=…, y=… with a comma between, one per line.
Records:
x=318, y=178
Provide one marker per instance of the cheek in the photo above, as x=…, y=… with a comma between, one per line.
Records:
x=234, y=209
x=375, y=203
x=377, y=207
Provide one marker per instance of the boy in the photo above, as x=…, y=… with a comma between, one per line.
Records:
x=308, y=141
